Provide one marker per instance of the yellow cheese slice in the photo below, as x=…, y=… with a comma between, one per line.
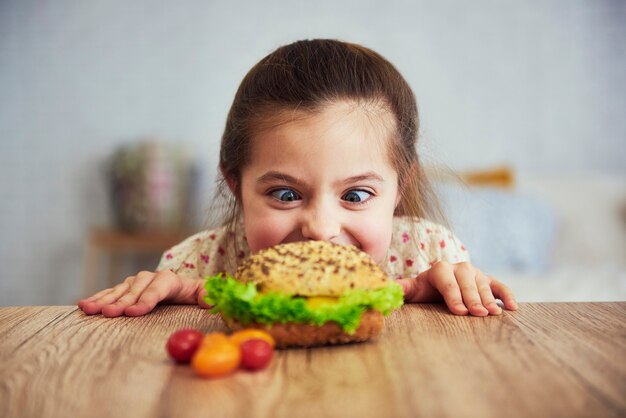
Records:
x=317, y=301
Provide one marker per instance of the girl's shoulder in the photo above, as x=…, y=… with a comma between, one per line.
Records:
x=206, y=253
x=417, y=243
x=415, y=222
x=409, y=228
x=209, y=239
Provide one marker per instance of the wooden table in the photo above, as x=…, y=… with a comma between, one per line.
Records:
x=552, y=360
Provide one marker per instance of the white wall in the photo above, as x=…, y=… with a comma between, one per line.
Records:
x=536, y=84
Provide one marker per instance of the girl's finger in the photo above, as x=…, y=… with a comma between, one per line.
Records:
x=164, y=285
x=116, y=292
x=90, y=306
x=504, y=294
x=201, y=302
x=134, y=291
x=98, y=295
x=486, y=295
x=410, y=289
x=145, y=304
x=441, y=277
x=141, y=282
x=112, y=295
x=466, y=277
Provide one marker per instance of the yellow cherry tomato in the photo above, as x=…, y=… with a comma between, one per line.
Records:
x=241, y=336
x=217, y=359
x=213, y=338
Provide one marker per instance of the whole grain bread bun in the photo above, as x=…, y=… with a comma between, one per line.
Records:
x=305, y=335
x=311, y=268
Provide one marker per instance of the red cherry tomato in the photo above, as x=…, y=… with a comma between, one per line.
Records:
x=256, y=354
x=183, y=344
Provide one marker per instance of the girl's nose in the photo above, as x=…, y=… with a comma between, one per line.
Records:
x=320, y=226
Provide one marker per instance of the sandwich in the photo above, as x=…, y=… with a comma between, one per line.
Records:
x=307, y=294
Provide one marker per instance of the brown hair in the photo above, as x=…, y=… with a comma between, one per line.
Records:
x=306, y=75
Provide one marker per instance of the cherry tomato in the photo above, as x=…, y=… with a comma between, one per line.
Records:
x=183, y=344
x=256, y=354
x=217, y=359
x=244, y=335
x=214, y=338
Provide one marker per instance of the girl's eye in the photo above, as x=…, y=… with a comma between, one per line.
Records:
x=285, y=195
x=356, y=196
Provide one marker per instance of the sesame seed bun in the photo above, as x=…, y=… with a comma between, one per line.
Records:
x=312, y=268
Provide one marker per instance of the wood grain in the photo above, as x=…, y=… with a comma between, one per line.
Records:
x=565, y=359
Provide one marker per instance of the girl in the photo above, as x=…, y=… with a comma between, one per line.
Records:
x=320, y=144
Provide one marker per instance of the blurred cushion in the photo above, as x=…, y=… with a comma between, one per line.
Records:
x=502, y=229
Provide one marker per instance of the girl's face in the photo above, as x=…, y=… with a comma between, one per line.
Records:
x=322, y=176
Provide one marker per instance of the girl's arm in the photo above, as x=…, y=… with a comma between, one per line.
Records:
x=178, y=279
x=138, y=295
x=463, y=287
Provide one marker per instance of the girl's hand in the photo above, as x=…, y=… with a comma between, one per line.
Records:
x=138, y=295
x=464, y=288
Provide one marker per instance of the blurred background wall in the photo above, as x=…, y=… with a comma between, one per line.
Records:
x=536, y=85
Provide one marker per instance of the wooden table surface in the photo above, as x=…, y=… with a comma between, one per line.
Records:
x=552, y=360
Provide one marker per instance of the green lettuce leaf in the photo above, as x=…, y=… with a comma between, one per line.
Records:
x=243, y=302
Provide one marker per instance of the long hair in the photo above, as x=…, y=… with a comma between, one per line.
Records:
x=306, y=75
